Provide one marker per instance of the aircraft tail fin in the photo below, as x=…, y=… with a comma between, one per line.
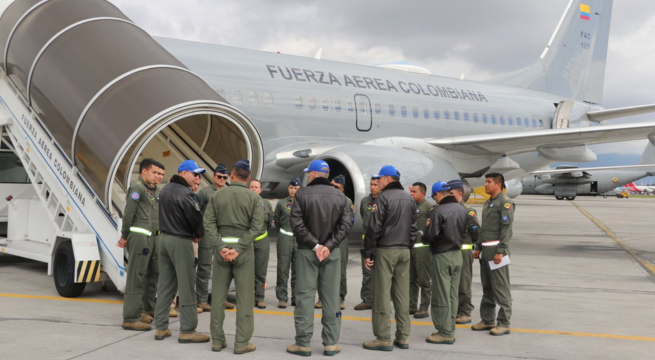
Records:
x=573, y=63
x=648, y=157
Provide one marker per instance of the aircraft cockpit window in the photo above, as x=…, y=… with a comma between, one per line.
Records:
x=484, y=118
x=526, y=122
x=363, y=109
x=415, y=112
x=392, y=110
x=436, y=114
x=541, y=123
x=475, y=118
x=534, y=122
x=403, y=111
x=502, y=120
x=236, y=97
x=297, y=100
x=221, y=92
x=426, y=113
x=510, y=121
x=325, y=104
x=337, y=105
x=351, y=106
x=268, y=99
x=446, y=115
x=253, y=98
x=456, y=115
x=312, y=103
x=493, y=119
x=466, y=116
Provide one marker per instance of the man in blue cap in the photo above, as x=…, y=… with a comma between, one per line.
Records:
x=321, y=219
x=180, y=221
x=233, y=219
x=206, y=247
x=470, y=237
x=286, y=247
x=391, y=233
x=444, y=233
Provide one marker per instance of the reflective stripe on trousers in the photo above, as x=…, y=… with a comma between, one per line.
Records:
x=288, y=233
x=139, y=230
x=261, y=236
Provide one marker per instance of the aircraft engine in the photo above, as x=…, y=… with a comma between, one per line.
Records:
x=514, y=188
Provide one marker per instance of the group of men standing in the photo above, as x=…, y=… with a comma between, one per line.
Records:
x=407, y=246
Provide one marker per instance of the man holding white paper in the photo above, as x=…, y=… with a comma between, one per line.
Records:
x=493, y=248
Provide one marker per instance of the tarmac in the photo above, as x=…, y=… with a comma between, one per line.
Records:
x=583, y=287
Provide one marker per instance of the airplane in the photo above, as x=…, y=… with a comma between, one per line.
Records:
x=638, y=189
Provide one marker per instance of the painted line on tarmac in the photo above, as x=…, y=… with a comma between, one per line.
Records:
x=646, y=264
x=364, y=319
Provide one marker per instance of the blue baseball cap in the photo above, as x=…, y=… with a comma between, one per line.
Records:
x=439, y=186
x=221, y=169
x=190, y=165
x=318, y=166
x=340, y=179
x=387, y=170
x=455, y=184
x=296, y=182
x=374, y=177
x=243, y=164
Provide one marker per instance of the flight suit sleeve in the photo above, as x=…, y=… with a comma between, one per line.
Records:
x=351, y=210
x=375, y=224
x=269, y=215
x=343, y=227
x=506, y=219
x=413, y=233
x=298, y=227
x=473, y=226
x=432, y=229
x=277, y=214
x=256, y=224
x=192, y=213
x=362, y=208
x=209, y=222
x=132, y=198
x=203, y=199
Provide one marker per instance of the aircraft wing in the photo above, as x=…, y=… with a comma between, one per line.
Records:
x=524, y=141
x=573, y=170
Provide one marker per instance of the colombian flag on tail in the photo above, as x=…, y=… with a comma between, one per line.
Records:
x=585, y=12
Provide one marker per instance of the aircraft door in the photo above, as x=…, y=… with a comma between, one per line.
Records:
x=562, y=114
x=594, y=187
x=363, y=113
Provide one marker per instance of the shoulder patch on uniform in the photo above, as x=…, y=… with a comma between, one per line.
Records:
x=369, y=206
x=288, y=206
x=263, y=206
x=492, y=205
x=374, y=208
x=472, y=213
x=505, y=218
x=352, y=207
x=195, y=205
x=507, y=206
x=135, y=195
x=418, y=211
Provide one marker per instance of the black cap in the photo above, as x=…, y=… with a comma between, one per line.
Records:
x=340, y=179
x=243, y=164
x=221, y=169
x=296, y=182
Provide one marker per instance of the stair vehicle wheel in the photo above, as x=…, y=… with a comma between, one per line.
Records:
x=559, y=197
x=570, y=198
x=64, y=271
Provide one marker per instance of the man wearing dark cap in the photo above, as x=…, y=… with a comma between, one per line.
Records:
x=206, y=247
x=365, y=208
x=444, y=232
x=493, y=247
x=286, y=247
x=233, y=219
x=320, y=218
x=390, y=235
x=470, y=237
x=419, y=271
x=181, y=224
x=262, y=246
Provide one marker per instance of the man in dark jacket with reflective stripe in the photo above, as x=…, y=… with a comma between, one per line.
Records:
x=320, y=219
x=181, y=224
x=444, y=232
x=391, y=233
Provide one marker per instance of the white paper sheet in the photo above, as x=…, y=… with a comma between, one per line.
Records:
x=503, y=262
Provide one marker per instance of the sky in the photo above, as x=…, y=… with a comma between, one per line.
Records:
x=478, y=38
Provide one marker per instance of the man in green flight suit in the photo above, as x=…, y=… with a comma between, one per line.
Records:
x=233, y=219
x=138, y=234
x=287, y=248
x=493, y=246
x=262, y=246
x=206, y=247
x=419, y=271
x=465, y=306
x=365, y=208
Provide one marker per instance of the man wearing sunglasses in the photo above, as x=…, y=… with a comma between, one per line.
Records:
x=206, y=247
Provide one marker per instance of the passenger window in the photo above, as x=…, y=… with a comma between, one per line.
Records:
x=351, y=106
x=253, y=98
x=426, y=113
x=392, y=110
x=268, y=99
x=510, y=121
x=518, y=121
x=493, y=119
x=297, y=100
x=446, y=115
x=534, y=122
x=456, y=115
x=221, y=92
x=502, y=120
x=236, y=97
x=337, y=105
x=484, y=118
x=436, y=114
x=363, y=109
x=466, y=116
x=403, y=111
x=526, y=122
x=378, y=109
x=325, y=103
x=475, y=118
x=415, y=112
x=541, y=123
x=312, y=103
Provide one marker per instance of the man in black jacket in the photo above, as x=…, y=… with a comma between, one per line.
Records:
x=444, y=232
x=320, y=219
x=181, y=224
x=390, y=235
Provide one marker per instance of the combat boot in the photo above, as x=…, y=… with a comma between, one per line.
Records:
x=299, y=350
x=377, y=344
x=482, y=326
x=136, y=326
x=437, y=338
x=342, y=306
x=151, y=313
x=319, y=305
x=421, y=314
x=402, y=343
x=246, y=349
x=412, y=310
x=282, y=304
x=145, y=318
x=172, y=313
x=194, y=337
x=331, y=350
x=499, y=330
x=204, y=306
x=363, y=306
x=161, y=335
x=229, y=305
x=463, y=319
x=218, y=348
x=260, y=305
x=200, y=310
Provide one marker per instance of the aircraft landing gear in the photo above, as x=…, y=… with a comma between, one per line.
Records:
x=570, y=198
x=559, y=197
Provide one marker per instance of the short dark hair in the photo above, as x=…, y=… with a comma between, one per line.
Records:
x=421, y=186
x=498, y=178
x=459, y=189
x=240, y=174
x=146, y=164
x=395, y=178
